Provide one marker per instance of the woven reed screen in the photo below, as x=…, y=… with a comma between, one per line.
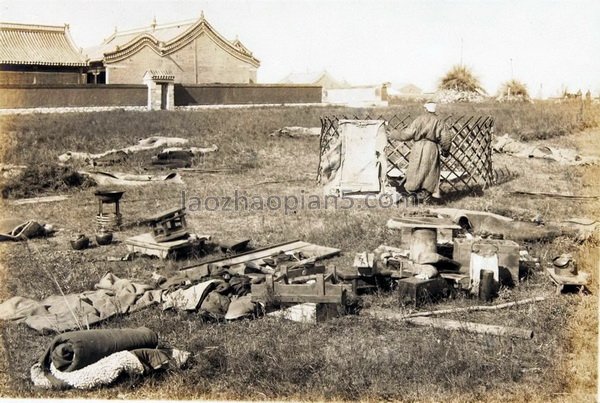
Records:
x=467, y=168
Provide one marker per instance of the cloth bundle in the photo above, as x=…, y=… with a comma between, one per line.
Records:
x=13, y=229
x=89, y=358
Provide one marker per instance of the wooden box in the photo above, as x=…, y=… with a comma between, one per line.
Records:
x=508, y=257
x=414, y=291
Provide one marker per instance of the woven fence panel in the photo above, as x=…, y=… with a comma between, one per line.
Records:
x=467, y=168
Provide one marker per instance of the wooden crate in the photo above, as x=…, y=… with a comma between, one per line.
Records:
x=168, y=225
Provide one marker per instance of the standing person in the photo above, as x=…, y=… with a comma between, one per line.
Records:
x=431, y=138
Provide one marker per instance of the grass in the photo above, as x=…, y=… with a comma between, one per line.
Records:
x=37, y=138
x=349, y=358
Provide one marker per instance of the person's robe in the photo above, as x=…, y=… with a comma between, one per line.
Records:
x=423, y=171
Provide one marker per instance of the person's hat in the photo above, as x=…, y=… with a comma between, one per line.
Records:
x=430, y=106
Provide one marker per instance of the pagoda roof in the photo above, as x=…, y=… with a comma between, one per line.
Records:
x=165, y=39
x=45, y=45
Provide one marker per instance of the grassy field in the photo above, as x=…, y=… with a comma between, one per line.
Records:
x=349, y=358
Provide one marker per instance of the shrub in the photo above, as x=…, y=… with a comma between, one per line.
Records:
x=44, y=178
x=461, y=78
x=513, y=90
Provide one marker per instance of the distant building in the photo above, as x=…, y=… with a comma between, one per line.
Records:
x=192, y=50
x=405, y=91
x=39, y=54
x=359, y=95
x=341, y=92
x=322, y=78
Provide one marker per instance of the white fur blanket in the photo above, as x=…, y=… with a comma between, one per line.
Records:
x=102, y=372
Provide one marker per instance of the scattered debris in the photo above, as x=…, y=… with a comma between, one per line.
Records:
x=508, y=145
x=144, y=144
x=179, y=157
x=183, y=153
x=236, y=246
x=128, y=257
x=117, y=179
x=307, y=312
x=189, y=299
x=482, y=222
x=14, y=229
x=11, y=170
x=453, y=96
x=296, y=131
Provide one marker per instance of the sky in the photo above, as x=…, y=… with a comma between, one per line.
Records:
x=549, y=45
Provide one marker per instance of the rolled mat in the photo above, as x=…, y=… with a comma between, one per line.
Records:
x=74, y=350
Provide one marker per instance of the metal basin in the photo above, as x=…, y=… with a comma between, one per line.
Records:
x=109, y=196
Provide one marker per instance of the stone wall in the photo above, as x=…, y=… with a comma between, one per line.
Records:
x=56, y=96
x=229, y=94
x=115, y=95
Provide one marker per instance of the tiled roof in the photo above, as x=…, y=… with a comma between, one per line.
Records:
x=38, y=45
x=160, y=74
x=164, y=38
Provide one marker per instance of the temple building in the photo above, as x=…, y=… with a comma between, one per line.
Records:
x=39, y=54
x=192, y=51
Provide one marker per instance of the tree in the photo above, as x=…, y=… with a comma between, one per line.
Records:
x=460, y=78
x=514, y=88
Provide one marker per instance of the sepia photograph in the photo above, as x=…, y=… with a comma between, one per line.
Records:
x=300, y=200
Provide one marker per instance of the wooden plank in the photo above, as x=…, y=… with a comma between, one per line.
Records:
x=243, y=257
x=36, y=200
x=448, y=324
x=471, y=327
x=147, y=241
x=423, y=222
x=311, y=250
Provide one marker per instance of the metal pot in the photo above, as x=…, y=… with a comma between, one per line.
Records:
x=104, y=237
x=81, y=242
